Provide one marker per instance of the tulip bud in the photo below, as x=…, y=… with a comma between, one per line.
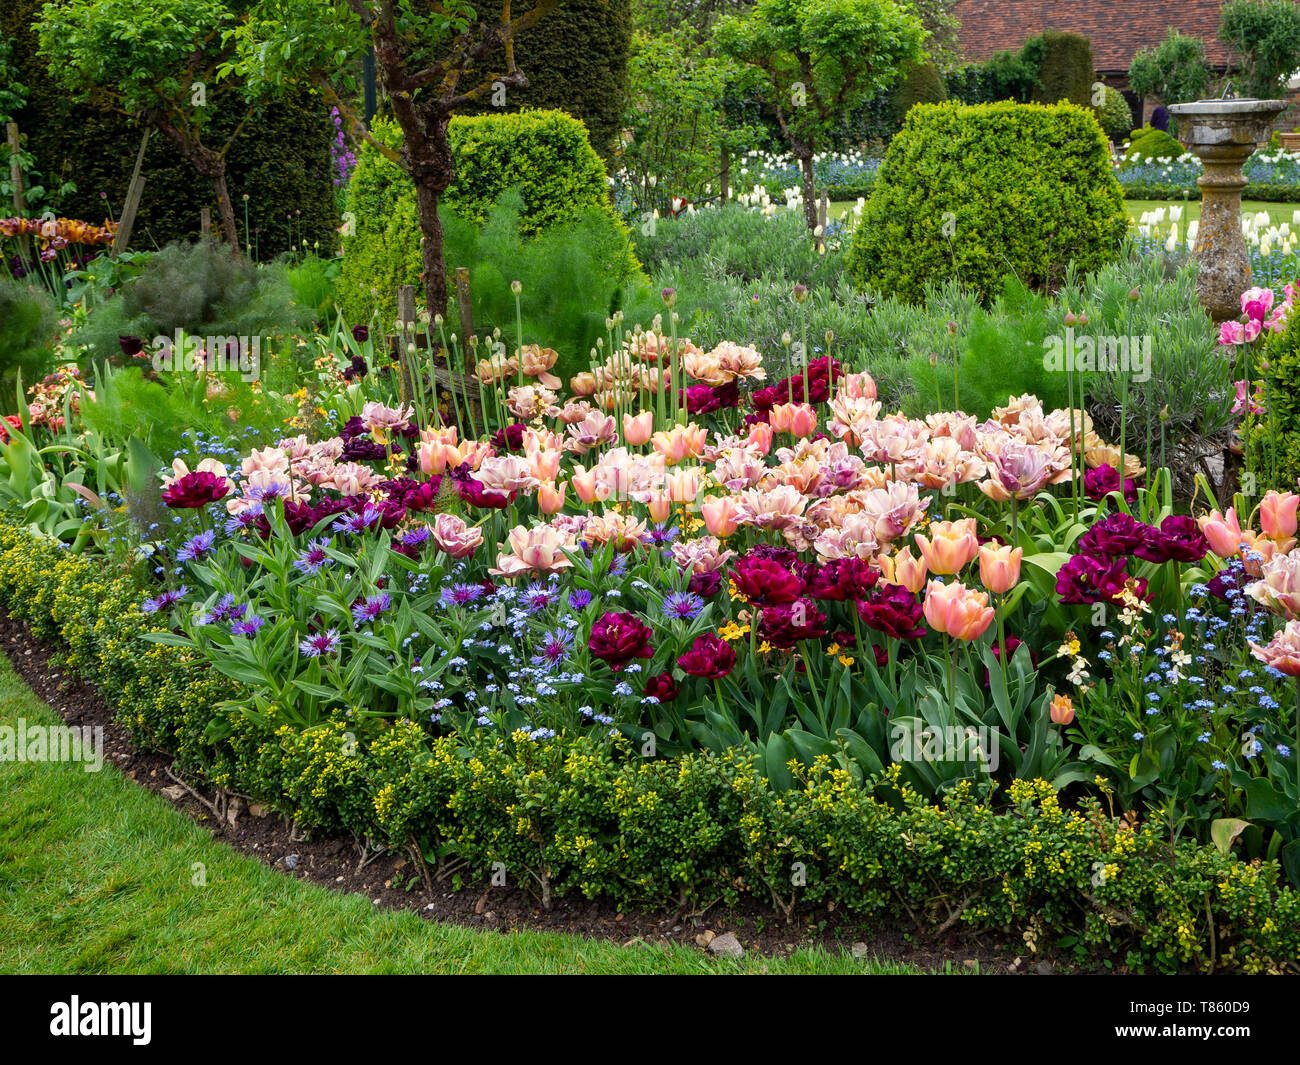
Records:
x=1062, y=710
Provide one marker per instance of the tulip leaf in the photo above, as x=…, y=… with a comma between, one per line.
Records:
x=1226, y=829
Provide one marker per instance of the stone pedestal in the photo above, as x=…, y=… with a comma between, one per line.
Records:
x=1223, y=134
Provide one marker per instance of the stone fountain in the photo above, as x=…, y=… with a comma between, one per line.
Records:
x=1223, y=134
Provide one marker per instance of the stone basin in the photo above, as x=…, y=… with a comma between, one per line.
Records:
x=1223, y=134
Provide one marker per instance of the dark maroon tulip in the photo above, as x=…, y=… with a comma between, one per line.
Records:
x=710, y=657
x=617, y=638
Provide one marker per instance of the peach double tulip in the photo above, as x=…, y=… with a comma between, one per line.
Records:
x=1000, y=567
x=957, y=610
x=454, y=537
x=1282, y=652
x=536, y=550
x=950, y=545
x=1278, y=588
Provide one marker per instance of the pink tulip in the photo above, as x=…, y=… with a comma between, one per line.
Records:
x=638, y=428
x=720, y=515
x=760, y=437
x=1277, y=514
x=1223, y=532
x=1231, y=333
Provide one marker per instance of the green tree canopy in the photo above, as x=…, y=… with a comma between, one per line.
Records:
x=1266, y=35
x=1175, y=70
x=819, y=59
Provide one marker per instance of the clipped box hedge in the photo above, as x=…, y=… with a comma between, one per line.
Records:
x=579, y=817
x=980, y=193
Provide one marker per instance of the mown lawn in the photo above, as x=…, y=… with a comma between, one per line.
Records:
x=96, y=877
x=1277, y=212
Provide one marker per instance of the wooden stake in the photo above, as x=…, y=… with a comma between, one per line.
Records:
x=134, y=193
x=466, y=308
x=205, y=222
x=20, y=196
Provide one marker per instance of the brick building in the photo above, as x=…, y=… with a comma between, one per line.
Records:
x=1117, y=30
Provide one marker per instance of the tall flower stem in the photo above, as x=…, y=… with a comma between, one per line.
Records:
x=951, y=669
x=1295, y=750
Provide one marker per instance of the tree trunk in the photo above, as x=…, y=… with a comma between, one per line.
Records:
x=434, y=273
x=805, y=157
x=212, y=165
x=224, y=207
x=432, y=169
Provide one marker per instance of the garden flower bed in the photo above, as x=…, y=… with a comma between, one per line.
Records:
x=689, y=630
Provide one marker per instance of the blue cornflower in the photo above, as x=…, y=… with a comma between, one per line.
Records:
x=1139, y=736
x=684, y=605
x=580, y=599
x=538, y=597
x=164, y=601
x=314, y=558
x=1216, y=764
x=247, y=626
x=245, y=519
x=359, y=520
x=553, y=648
x=368, y=610
x=322, y=643
x=414, y=537
x=1284, y=750
x=662, y=534
x=460, y=594
x=1204, y=737
x=197, y=546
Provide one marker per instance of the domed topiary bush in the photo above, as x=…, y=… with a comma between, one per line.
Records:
x=981, y=193
x=1114, y=115
x=1150, y=143
x=543, y=154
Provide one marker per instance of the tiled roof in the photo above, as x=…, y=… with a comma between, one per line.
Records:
x=1117, y=29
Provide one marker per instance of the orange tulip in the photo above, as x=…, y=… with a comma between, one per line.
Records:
x=950, y=546
x=550, y=499
x=1062, y=710
x=1000, y=567
x=660, y=506
x=958, y=611
x=902, y=568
